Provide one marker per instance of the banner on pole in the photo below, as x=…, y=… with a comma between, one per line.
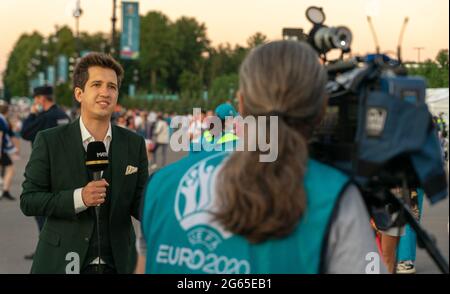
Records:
x=63, y=66
x=129, y=40
x=51, y=75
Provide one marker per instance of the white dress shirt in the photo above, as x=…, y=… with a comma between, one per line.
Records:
x=87, y=138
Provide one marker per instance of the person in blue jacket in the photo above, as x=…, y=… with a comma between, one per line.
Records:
x=407, y=245
x=227, y=212
x=44, y=114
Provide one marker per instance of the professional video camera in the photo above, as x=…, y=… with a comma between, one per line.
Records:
x=378, y=129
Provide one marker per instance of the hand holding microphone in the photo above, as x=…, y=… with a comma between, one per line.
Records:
x=94, y=192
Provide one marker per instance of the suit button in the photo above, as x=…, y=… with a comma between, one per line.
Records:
x=86, y=239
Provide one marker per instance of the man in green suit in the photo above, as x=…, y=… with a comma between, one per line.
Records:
x=59, y=187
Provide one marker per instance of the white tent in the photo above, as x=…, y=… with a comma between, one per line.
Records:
x=437, y=100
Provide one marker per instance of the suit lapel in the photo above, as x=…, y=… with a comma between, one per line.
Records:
x=118, y=164
x=74, y=146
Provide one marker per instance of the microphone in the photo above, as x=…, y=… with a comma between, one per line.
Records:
x=96, y=159
x=97, y=162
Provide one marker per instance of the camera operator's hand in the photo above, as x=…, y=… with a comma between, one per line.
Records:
x=94, y=193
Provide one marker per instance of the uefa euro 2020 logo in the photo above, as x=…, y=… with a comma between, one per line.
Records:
x=194, y=204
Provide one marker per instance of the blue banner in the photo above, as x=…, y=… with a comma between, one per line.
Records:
x=132, y=90
x=129, y=39
x=41, y=78
x=63, y=65
x=33, y=84
x=51, y=75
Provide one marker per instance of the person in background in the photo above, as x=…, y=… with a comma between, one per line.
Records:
x=407, y=246
x=222, y=135
x=7, y=148
x=44, y=114
x=121, y=121
x=161, y=136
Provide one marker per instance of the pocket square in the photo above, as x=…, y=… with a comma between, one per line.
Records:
x=131, y=170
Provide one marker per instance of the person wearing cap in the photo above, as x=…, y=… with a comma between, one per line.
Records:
x=44, y=114
x=223, y=137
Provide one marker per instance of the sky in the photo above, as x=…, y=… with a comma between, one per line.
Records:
x=233, y=21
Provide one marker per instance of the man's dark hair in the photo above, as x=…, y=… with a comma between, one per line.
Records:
x=81, y=73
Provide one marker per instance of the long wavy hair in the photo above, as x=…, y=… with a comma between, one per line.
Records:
x=265, y=200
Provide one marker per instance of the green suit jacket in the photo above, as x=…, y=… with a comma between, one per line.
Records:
x=56, y=168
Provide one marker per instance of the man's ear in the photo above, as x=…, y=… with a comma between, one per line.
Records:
x=77, y=93
x=240, y=101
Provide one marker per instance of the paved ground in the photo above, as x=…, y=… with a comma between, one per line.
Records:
x=18, y=234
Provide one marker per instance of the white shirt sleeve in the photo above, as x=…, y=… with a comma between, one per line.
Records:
x=78, y=201
x=157, y=127
x=351, y=247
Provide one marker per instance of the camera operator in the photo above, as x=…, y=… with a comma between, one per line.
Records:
x=293, y=215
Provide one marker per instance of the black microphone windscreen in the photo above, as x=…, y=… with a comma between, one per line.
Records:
x=96, y=156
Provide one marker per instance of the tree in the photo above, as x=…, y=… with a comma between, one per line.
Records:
x=223, y=89
x=442, y=58
x=435, y=72
x=191, y=42
x=66, y=41
x=64, y=95
x=256, y=40
x=96, y=42
x=219, y=62
x=157, y=50
x=17, y=72
x=190, y=84
x=224, y=60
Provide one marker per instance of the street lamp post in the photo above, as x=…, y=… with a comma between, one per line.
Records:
x=77, y=14
x=418, y=53
x=113, y=33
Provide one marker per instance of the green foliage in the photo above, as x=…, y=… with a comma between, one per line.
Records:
x=96, y=42
x=156, y=52
x=31, y=47
x=256, y=40
x=435, y=72
x=64, y=95
x=190, y=84
x=190, y=43
x=16, y=75
x=442, y=59
x=223, y=89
